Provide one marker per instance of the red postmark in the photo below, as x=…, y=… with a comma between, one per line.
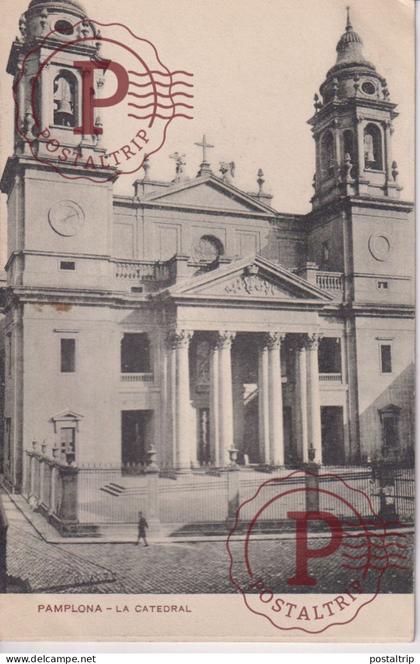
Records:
x=330, y=531
x=100, y=100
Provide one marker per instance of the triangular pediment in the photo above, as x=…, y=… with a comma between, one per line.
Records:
x=66, y=414
x=211, y=193
x=250, y=279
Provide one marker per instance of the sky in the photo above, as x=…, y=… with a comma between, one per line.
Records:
x=256, y=68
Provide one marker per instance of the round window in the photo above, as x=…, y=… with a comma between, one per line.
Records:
x=368, y=88
x=64, y=28
x=208, y=248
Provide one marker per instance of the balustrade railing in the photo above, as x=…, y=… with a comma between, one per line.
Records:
x=331, y=377
x=137, y=377
x=141, y=270
x=330, y=281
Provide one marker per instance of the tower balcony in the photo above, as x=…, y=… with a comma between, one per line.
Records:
x=140, y=276
x=331, y=282
x=327, y=280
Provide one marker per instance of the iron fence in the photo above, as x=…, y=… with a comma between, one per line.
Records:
x=95, y=495
x=193, y=499
x=405, y=493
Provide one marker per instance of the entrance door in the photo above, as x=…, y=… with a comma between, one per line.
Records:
x=134, y=424
x=332, y=432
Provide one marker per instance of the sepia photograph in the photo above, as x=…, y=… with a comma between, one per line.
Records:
x=207, y=320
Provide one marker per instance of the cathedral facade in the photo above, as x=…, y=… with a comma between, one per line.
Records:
x=191, y=324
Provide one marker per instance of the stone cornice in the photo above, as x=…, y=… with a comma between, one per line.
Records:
x=346, y=203
x=378, y=310
x=18, y=163
x=155, y=205
x=276, y=217
x=70, y=297
x=247, y=302
x=351, y=103
x=112, y=300
x=56, y=254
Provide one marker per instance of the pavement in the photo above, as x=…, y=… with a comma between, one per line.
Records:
x=190, y=566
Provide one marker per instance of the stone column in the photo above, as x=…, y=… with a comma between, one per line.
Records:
x=42, y=464
x=301, y=407
x=275, y=400
x=360, y=147
x=233, y=494
x=314, y=402
x=263, y=397
x=180, y=391
x=239, y=440
x=45, y=99
x=53, y=491
x=20, y=80
x=225, y=411
x=152, y=513
x=69, y=502
x=387, y=150
x=337, y=147
x=214, y=407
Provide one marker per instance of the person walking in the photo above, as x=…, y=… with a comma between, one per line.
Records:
x=143, y=526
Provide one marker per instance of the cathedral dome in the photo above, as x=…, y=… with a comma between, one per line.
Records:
x=72, y=5
x=349, y=47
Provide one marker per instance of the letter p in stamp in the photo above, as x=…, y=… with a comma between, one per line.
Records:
x=335, y=542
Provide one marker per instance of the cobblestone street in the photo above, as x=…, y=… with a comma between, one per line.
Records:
x=199, y=567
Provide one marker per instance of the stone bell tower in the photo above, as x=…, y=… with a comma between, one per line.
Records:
x=57, y=173
x=352, y=128
x=47, y=86
x=362, y=233
x=59, y=198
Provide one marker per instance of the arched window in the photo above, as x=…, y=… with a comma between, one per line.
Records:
x=327, y=154
x=348, y=144
x=65, y=99
x=372, y=146
x=208, y=248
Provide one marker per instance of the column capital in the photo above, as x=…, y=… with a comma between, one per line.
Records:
x=224, y=339
x=179, y=338
x=272, y=340
x=311, y=341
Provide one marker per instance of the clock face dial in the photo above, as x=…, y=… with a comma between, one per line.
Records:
x=379, y=246
x=66, y=218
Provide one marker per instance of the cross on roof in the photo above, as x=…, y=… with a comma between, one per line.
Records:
x=348, y=25
x=205, y=147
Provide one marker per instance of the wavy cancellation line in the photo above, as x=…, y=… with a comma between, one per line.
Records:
x=160, y=73
x=159, y=94
x=157, y=105
x=162, y=85
x=161, y=117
